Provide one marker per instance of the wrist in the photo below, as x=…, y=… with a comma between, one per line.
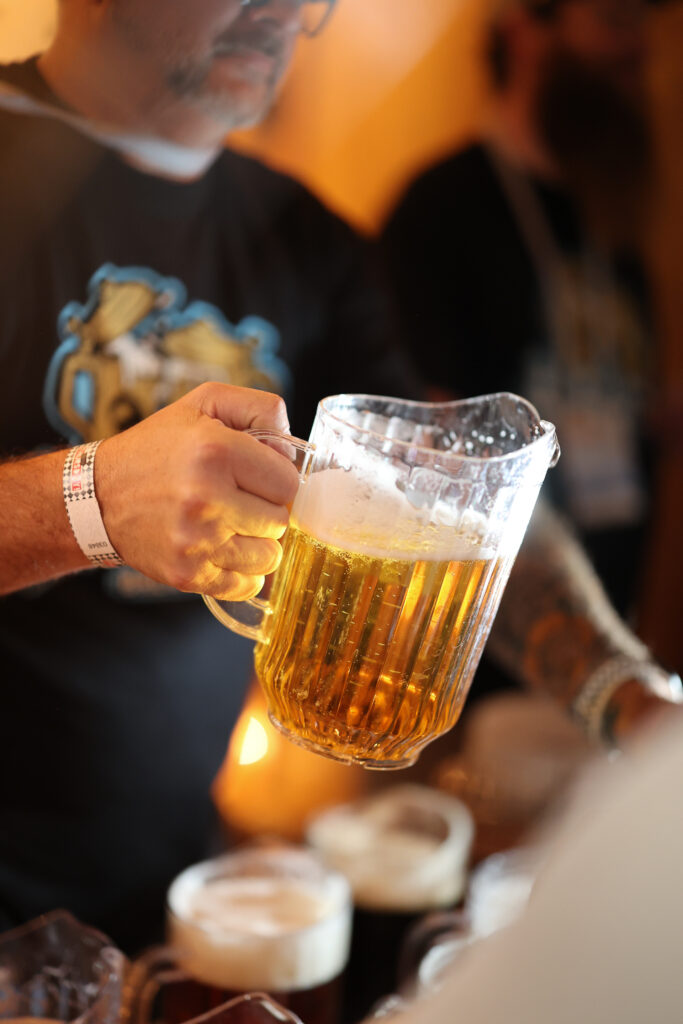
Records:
x=83, y=507
x=629, y=707
x=622, y=692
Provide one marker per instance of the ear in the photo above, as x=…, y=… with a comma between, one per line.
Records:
x=95, y=9
x=527, y=36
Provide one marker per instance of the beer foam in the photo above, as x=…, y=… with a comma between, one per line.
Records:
x=500, y=889
x=405, y=849
x=371, y=515
x=249, y=932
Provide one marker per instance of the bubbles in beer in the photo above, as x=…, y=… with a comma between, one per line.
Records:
x=379, y=616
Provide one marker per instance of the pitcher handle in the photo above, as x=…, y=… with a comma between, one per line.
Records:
x=247, y=618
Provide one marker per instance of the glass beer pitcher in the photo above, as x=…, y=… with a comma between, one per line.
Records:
x=401, y=539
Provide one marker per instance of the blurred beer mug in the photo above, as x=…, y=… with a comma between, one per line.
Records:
x=252, y=1008
x=267, y=919
x=500, y=888
x=405, y=851
x=401, y=539
x=431, y=948
x=498, y=891
x=56, y=969
x=518, y=756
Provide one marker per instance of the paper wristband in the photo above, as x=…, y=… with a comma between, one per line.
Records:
x=83, y=509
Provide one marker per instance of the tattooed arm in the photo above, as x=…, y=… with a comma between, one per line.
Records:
x=557, y=632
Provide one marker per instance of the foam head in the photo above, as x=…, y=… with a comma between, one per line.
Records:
x=370, y=513
x=405, y=849
x=272, y=919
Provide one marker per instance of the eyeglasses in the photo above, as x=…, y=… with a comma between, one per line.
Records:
x=313, y=13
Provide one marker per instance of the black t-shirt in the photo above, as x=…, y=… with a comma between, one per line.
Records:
x=478, y=318
x=119, y=291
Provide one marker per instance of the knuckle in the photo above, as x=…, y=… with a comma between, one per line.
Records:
x=275, y=402
x=191, y=508
x=187, y=571
x=181, y=580
x=236, y=586
x=273, y=406
x=279, y=522
x=208, y=457
x=224, y=588
x=272, y=562
x=196, y=396
x=180, y=541
x=254, y=585
x=205, y=390
x=264, y=556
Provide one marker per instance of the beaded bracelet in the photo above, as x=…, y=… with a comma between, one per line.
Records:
x=591, y=702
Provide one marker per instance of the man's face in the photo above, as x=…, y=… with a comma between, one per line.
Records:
x=224, y=58
x=607, y=35
x=590, y=108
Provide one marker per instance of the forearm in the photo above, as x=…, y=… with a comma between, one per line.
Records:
x=36, y=540
x=555, y=624
x=557, y=632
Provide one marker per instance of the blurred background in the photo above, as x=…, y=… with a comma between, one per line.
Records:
x=384, y=92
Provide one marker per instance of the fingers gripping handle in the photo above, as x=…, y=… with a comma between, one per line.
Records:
x=247, y=618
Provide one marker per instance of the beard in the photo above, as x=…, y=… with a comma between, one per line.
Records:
x=598, y=136
x=198, y=70
x=236, y=104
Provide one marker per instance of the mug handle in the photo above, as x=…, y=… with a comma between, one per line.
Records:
x=429, y=931
x=147, y=976
x=158, y=969
x=247, y=618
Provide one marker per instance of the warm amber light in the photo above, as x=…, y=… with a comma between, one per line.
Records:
x=269, y=786
x=255, y=743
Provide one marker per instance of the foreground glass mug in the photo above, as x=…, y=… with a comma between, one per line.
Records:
x=401, y=539
x=56, y=969
x=266, y=919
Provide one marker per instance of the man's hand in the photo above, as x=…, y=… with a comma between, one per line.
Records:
x=633, y=709
x=191, y=500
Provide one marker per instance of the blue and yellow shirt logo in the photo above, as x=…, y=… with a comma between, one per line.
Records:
x=136, y=345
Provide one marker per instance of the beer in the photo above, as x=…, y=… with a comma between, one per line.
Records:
x=271, y=920
x=371, y=646
x=405, y=853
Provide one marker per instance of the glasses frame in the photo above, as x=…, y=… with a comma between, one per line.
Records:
x=309, y=33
